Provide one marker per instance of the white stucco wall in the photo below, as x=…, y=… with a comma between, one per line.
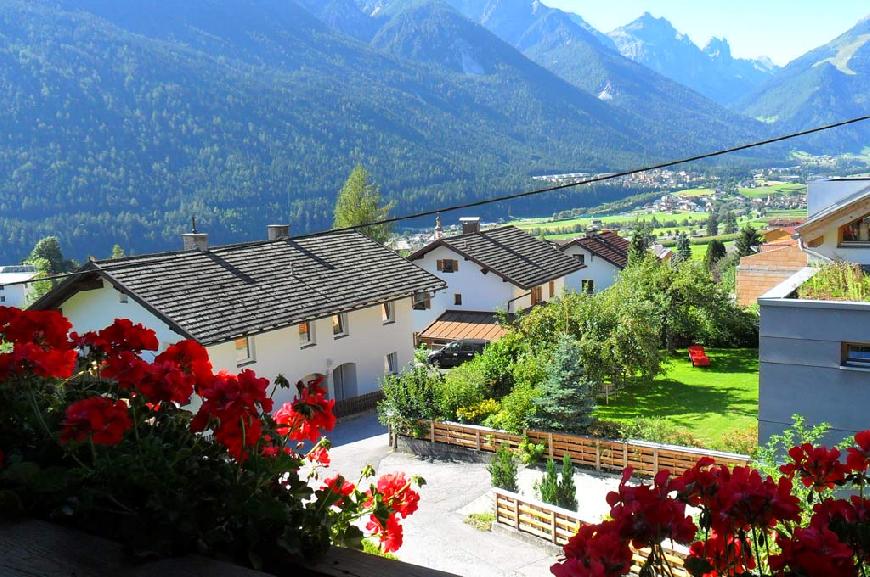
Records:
x=602, y=273
x=829, y=248
x=480, y=292
x=367, y=342
x=13, y=295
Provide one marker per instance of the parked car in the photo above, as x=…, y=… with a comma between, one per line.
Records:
x=456, y=353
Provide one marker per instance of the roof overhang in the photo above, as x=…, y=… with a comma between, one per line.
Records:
x=836, y=216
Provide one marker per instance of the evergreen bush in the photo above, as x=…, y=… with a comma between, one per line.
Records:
x=503, y=470
x=566, y=492
x=548, y=486
x=567, y=397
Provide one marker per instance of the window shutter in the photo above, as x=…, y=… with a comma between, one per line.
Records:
x=440, y=264
x=455, y=265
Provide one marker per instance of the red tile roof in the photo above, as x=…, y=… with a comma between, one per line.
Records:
x=456, y=325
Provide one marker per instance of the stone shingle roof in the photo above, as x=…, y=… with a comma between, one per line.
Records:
x=230, y=291
x=606, y=244
x=511, y=254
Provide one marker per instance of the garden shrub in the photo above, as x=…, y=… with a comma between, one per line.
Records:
x=548, y=486
x=517, y=408
x=409, y=397
x=659, y=430
x=462, y=387
x=743, y=441
x=102, y=443
x=503, y=469
x=530, y=452
x=566, y=492
x=479, y=412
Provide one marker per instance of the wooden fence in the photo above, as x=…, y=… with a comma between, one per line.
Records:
x=602, y=454
x=558, y=525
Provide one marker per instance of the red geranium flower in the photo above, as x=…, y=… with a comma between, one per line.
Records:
x=389, y=536
x=647, y=515
x=397, y=494
x=744, y=499
x=319, y=455
x=339, y=486
x=39, y=344
x=308, y=415
x=813, y=552
x=121, y=335
x=102, y=420
x=595, y=551
x=720, y=556
x=858, y=457
x=817, y=467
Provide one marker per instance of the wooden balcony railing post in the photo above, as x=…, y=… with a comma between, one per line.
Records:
x=431, y=431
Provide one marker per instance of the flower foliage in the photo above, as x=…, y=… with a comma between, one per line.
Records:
x=94, y=429
x=751, y=525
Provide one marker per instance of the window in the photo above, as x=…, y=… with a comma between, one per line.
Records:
x=122, y=298
x=581, y=258
x=587, y=286
x=856, y=232
x=537, y=295
x=244, y=350
x=552, y=287
x=306, y=334
x=457, y=299
x=391, y=364
x=856, y=355
x=2, y=298
x=447, y=265
x=388, y=313
x=339, y=325
x=422, y=302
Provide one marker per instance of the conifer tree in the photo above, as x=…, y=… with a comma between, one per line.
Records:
x=713, y=225
x=715, y=252
x=567, y=396
x=548, y=486
x=359, y=202
x=566, y=492
x=748, y=239
x=683, y=249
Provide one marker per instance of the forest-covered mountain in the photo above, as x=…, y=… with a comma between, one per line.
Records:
x=711, y=71
x=123, y=119
x=829, y=83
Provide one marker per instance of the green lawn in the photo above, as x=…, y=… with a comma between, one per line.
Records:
x=773, y=188
x=693, y=192
x=710, y=402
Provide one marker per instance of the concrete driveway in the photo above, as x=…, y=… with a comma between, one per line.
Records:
x=436, y=535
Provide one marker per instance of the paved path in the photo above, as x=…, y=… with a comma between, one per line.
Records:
x=436, y=535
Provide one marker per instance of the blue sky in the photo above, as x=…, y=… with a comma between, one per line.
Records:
x=779, y=29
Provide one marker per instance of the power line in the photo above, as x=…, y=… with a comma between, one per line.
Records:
x=601, y=178
x=534, y=192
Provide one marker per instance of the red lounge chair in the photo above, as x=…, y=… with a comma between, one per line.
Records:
x=698, y=356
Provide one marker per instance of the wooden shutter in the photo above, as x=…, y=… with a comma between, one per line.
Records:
x=455, y=266
x=440, y=264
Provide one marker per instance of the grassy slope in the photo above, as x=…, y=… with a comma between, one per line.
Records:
x=773, y=188
x=711, y=402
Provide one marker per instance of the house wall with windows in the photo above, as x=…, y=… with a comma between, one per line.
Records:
x=803, y=363
x=601, y=272
x=367, y=341
x=478, y=291
x=15, y=295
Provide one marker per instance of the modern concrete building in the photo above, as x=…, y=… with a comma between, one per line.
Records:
x=815, y=354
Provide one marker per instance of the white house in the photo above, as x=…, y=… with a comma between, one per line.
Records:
x=604, y=255
x=336, y=304
x=13, y=284
x=501, y=269
x=838, y=223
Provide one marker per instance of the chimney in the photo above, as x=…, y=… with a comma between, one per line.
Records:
x=470, y=224
x=195, y=240
x=278, y=231
x=439, y=230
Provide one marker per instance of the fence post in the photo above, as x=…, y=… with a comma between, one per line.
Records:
x=477, y=438
x=624, y=455
x=550, y=443
x=597, y=455
x=655, y=461
x=553, y=526
x=517, y=512
x=432, y=431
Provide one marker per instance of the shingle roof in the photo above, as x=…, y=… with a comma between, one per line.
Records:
x=511, y=254
x=606, y=244
x=244, y=289
x=458, y=325
x=858, y=199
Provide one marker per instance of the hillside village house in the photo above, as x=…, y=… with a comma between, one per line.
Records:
x=14, y=288
x=500, y=269
x=336, y=304
x=604, y=254
x=815, y=355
